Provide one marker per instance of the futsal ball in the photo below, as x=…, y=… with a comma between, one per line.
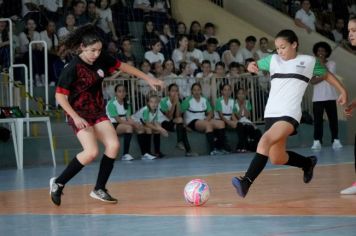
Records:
x=196, y=192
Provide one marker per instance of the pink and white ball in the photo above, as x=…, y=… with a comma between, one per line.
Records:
x=196, y=192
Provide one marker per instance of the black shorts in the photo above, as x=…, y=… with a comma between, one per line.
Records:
x=115, y=125
x=168, y=125
x=269, y=121
x=192, y=124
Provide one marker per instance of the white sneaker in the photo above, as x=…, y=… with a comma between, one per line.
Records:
x=127, y=157
x=52, y=84
x=316, y=145
x=349, y=190
x=38, y=81
x=336, y=144
x=148, y=156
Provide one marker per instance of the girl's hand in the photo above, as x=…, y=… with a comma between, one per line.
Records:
x=153, y=83
x=348, y=111
x=342, y=100
x=80, y=123
x=252, y=67
x=163, y=132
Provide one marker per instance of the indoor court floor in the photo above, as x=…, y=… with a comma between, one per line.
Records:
x=151, y=199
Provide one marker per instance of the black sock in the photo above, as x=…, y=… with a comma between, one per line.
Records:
x=256, y=166
x=210, y=137
x=106, y=166
x=72, y=169
x=157, y=143
x=147, y=143
x=179, y=130
x=220, y=133
x=182, y=137
x=127, y=140
x=141, y=142
x=297, y=160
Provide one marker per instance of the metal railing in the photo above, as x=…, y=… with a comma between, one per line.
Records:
x=45, y=52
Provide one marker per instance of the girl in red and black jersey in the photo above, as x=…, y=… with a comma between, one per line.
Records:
x=79, y=93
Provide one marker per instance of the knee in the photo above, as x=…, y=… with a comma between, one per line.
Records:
x=113, y=146
x=129, y=129
x=91, y=154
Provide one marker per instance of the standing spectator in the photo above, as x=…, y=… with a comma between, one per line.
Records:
x=105, y=22
x=305, y=18
x=248, y=51
x=210, y=52
x=324, y=98
x=233, y=54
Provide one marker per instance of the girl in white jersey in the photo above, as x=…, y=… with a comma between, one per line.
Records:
x=290, y=74
x=348, y=110
x=119, y=112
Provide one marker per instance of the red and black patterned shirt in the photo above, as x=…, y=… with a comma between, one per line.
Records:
x=82, y=83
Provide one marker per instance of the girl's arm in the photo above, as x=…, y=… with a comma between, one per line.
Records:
x=63, y=102
x=160, y=129
x=124, y=67
x=331, y=79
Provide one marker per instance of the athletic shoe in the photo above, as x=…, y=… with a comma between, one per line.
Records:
x=191, y=154
x=216, y=152
x=159, y=155
x=336, y=144
x=350, y=190
x=127, y=157
x=224, y=151
x=148, y=156
x=316, y=145
x=242, y=185
x=308, y=172
x=56, y=191
x=180, y=146
x=102, y=195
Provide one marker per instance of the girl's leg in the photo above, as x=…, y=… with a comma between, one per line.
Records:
x=157, y=144
x=106, y=134
x=331, y=112
x=207, y=127
x=279, y=131
x=318, y=110
x=127, y=131
x=240, y=129
x=90, y=151
x=219, y=128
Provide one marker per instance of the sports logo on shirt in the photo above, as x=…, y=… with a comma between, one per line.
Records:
x=301, y=65
x=100, y=73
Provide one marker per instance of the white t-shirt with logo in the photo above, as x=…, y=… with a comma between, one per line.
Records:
x=324, y=91
x=289, y=80
x=307, y=18
x=195, y=109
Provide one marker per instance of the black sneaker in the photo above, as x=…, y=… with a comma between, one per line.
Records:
x=241, y=185
x=56, y=191
x=102, y=195
x=308, y=172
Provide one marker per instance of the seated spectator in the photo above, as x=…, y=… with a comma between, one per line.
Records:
x=52, y=9
x=58, y=61
x=198, y=116
x=204, y=78
x=327, y=31
x=168, y=40
x=210, y=52
x=305, y=18
x=181, y=29
x=126, y=51
x=196, y=33
x=218, y=80
x=170, y=107
x=105, y=22
x=156, y=10
x=143, y=88
x=246, y=129
x=180, y=53
x=31, y=10
x=69, y=27
x=209, y=32
x=154, y=55
x=4, y=46
x=148, y=116
x=119, y=112
x=92, y=12
x=168, y=69
x=185, y=79
x=149, y=34
x=234, y=71
x=157, y=70
x=194, y=55
x=78, y=10
x=339, y=30
x=112, y=49
x=263, y=51
x=233, y=54
x=248, y=50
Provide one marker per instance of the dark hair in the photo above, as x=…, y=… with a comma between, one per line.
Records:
x=352, y=18
x=126, y=104
x=86, y=35
x=125, y=38
x=75, y=3
x=171, y=86
x=180, y=38
x=223, y=85
x=249, y=60
x=191, y=26
x=182, y=66
x=324, y=45
x=209, y=25
x=195, y=84
x=98, y=2
x=206, y=62
x=145, y=61
x=263, y=38
x=234, y=64
x=212, y=41
x=149, y=96
x=220, y=63
x=289, y=36
x=231, y=41
x=250, y=38
x=154, y=41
